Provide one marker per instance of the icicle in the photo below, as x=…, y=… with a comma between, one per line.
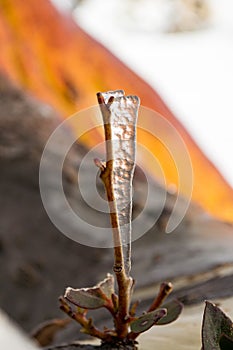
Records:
x=122, y=115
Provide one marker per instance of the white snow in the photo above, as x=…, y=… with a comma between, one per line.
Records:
x=11, y=337
x=192, y=71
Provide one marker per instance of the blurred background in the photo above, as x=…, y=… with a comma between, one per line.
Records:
x=184, y=49
x=176, y=55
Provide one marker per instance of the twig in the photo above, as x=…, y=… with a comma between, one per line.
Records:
x=87, y=324
x=165, y=290
x=119, y=115
x=107, y=176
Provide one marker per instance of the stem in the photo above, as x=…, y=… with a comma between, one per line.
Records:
x=124, y=281
x=87, y=324
x=165, y=290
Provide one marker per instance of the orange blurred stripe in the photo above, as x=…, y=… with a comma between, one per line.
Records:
x=49, y=55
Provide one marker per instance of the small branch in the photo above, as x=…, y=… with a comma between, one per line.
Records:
x=165, y=290
x=119, y=115
x=87, y=324
x=118, y=136
x=134, y=308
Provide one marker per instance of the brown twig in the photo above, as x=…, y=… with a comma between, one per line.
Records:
x=87, y=324
x=124, y=282
x=165, y=290
x=119, y=115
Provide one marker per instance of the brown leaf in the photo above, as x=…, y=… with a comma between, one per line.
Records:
x=94, y=297
x=45, y=332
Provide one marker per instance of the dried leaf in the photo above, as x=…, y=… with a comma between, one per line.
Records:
x=45, y=332
x=145, y=322
x=217, y=329
x=226, y=343
x=92, y=298
x=107, y=286
x=174, y=309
